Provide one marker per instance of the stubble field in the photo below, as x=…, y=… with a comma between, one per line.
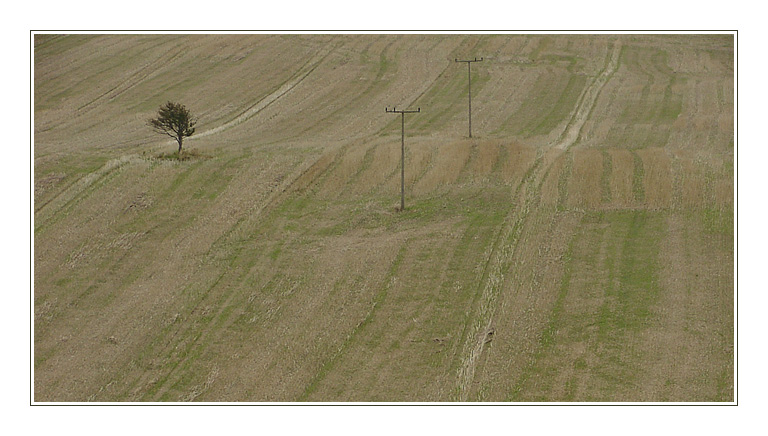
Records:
x=579, y=247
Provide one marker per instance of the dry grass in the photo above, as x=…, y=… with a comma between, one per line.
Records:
x=184, y=156
x=621, y=178
x=269, y=264
x=584, y=188
x=658, y=177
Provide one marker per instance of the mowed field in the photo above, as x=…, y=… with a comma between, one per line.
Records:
x=579, y=247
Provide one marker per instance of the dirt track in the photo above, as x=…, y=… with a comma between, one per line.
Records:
x=579, y=249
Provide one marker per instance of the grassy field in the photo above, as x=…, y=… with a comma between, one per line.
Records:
x=579, y=247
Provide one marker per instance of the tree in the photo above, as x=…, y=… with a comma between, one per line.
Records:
x=174, y=120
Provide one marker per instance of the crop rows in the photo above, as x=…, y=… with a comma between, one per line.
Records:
x=580, y=248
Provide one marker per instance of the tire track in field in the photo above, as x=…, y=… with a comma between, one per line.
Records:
x=503, y=248
x=378, y=86
x=424, y=88
x=386, y=284
x=372, y=88
x=70, y=193
x=136, y=78
x=285, y=88
x=505, y=243
x=587, y=101
x=47, y=210
x=300, y=183
x=300, y=180
x=75, y=191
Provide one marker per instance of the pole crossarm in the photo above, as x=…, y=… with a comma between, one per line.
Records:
x=402, y=113
x=473, y=60
x=469, y=79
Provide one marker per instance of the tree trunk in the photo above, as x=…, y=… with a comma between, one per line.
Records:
x=179, y=141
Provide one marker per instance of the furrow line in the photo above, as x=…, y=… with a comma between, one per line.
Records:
x=201, y=334
x=588, y=99
x=46, y=211
x=501, y=254
x=136, y=78
x=249, y=113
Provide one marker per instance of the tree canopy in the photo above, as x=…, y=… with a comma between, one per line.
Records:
x=174, y=120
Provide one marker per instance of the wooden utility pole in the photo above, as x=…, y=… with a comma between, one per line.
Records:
x=469, y=75
x=402, y=150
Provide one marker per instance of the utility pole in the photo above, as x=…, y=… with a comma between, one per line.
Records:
x=469, y=75
x=402, y=150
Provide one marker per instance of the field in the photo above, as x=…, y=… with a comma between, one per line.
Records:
x=579, y=247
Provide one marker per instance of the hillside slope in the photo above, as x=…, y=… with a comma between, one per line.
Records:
x=578, y=248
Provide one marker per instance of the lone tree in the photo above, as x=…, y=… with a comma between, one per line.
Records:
x=174, y=120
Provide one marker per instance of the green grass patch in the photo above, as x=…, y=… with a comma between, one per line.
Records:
x=275, y=252
x=638, y=176
x=571, y=62
x=633, y=289
x=605, y=178
x=188, y=154
x=448, y=97
x=186, y=346
x=718, y=221
x=383, y=66
x=379, y=298
x=651, y=108
x=562, y=182
x=544, y=42
x=77, y=199
x=625, y=277
x=633, y=286
x=549, y=336
x=563, y=106
x=551, y=101
x=638, y=286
